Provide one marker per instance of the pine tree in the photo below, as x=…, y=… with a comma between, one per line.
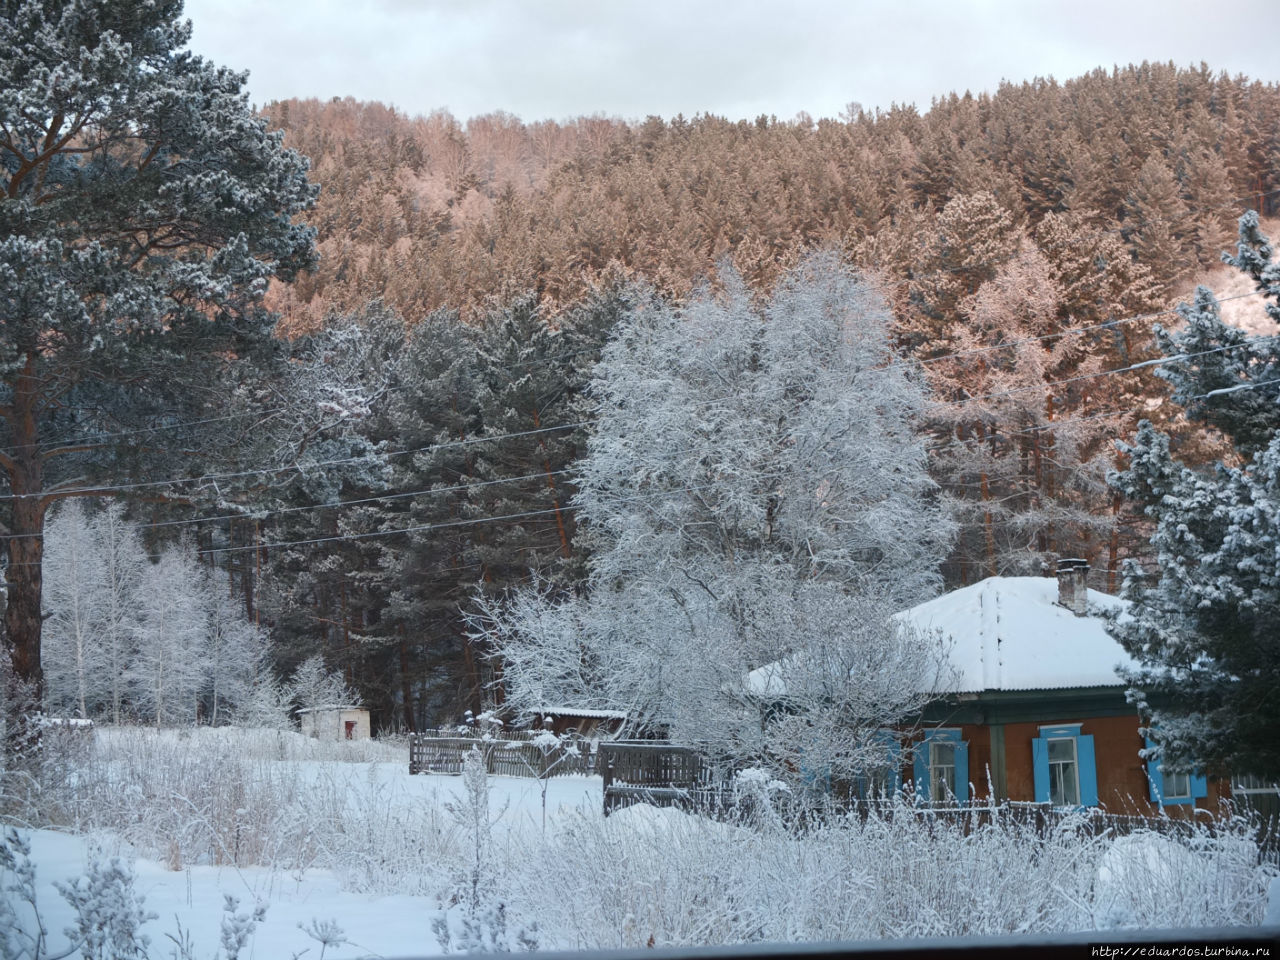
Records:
x=145, y=210
x=1155, y=221
x=1203, y=620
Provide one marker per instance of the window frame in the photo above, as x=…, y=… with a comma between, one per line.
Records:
x=923, y=766
x=1064, y=765
x=1197, y=783
x=1086, y=764
x=885, y=781
x=940, y=771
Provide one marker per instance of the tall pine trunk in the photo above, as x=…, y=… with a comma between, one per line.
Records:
x=25, y=687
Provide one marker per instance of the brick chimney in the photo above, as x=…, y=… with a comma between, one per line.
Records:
x=1072, y=592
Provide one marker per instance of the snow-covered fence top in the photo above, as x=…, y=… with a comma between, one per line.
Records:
x=537, y=754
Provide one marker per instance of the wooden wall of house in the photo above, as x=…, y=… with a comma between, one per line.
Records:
x=1122, y=776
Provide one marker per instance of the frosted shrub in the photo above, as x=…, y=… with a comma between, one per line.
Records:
x=643, y=874
x=648, y=875
x=480, y=922
x=1150, y=880
x=109, y=913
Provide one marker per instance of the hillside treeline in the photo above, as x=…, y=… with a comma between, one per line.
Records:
x=426, y=212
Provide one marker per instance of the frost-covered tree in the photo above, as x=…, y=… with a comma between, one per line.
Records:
x=73, y=598
x=1203, y=623
x=163, y=641
x=145, y=209
x=93, y=564
x=756, y=499
x=170, y=665
x=235, y=657
x=314, y=685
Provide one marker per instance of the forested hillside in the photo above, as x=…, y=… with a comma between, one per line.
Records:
x=470, y=274
x=431, y=212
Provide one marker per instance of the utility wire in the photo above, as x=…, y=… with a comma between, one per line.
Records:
x=303, y=469
x=213, y=478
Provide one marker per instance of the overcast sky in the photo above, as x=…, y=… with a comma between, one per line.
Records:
x=556, y=59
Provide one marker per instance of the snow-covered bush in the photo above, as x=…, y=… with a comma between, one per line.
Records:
x=314, y=685
x=276, y=799
x=108, y=911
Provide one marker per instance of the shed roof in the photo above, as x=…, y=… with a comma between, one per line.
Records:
x=331, y=706
x=585, y=713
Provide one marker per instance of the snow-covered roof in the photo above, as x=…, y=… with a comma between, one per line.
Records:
x=331, y=706
x=585, y=713
x=1008, y=633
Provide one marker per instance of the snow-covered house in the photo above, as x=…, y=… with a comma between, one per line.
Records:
x=1035, y=710
x=335, y=722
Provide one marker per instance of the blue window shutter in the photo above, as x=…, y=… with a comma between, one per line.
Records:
x=1040, y=768
x=920, y=770
x=962, y=772
x=1088, y=770
x=1155, y=779
x=1199, y=786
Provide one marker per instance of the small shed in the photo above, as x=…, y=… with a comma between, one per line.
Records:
x=335, y=722
x=592, y=724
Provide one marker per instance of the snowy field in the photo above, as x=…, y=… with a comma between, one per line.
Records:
x=341, y=845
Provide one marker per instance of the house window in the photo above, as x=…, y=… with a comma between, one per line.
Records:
x=1249, y=783
x=1064, y=772
x=1064, y=768
x=1169, y=787
x=1177, y=786
x=942, y=767
x=942, y=770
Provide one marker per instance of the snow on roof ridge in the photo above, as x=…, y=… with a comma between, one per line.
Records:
x=585, y=712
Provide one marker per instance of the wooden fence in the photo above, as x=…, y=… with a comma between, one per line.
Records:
x=661, y=773
x=511, y=756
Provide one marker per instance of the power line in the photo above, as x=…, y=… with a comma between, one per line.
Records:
x=303, y=469
x=297, y=467
x=333, y=504
x=418, y=528
x=1103, y=373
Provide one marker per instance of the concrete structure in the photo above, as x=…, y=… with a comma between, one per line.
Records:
x=335, y=722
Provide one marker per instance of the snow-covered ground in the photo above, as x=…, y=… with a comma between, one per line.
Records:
x=189, y=902
x=339, y=837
